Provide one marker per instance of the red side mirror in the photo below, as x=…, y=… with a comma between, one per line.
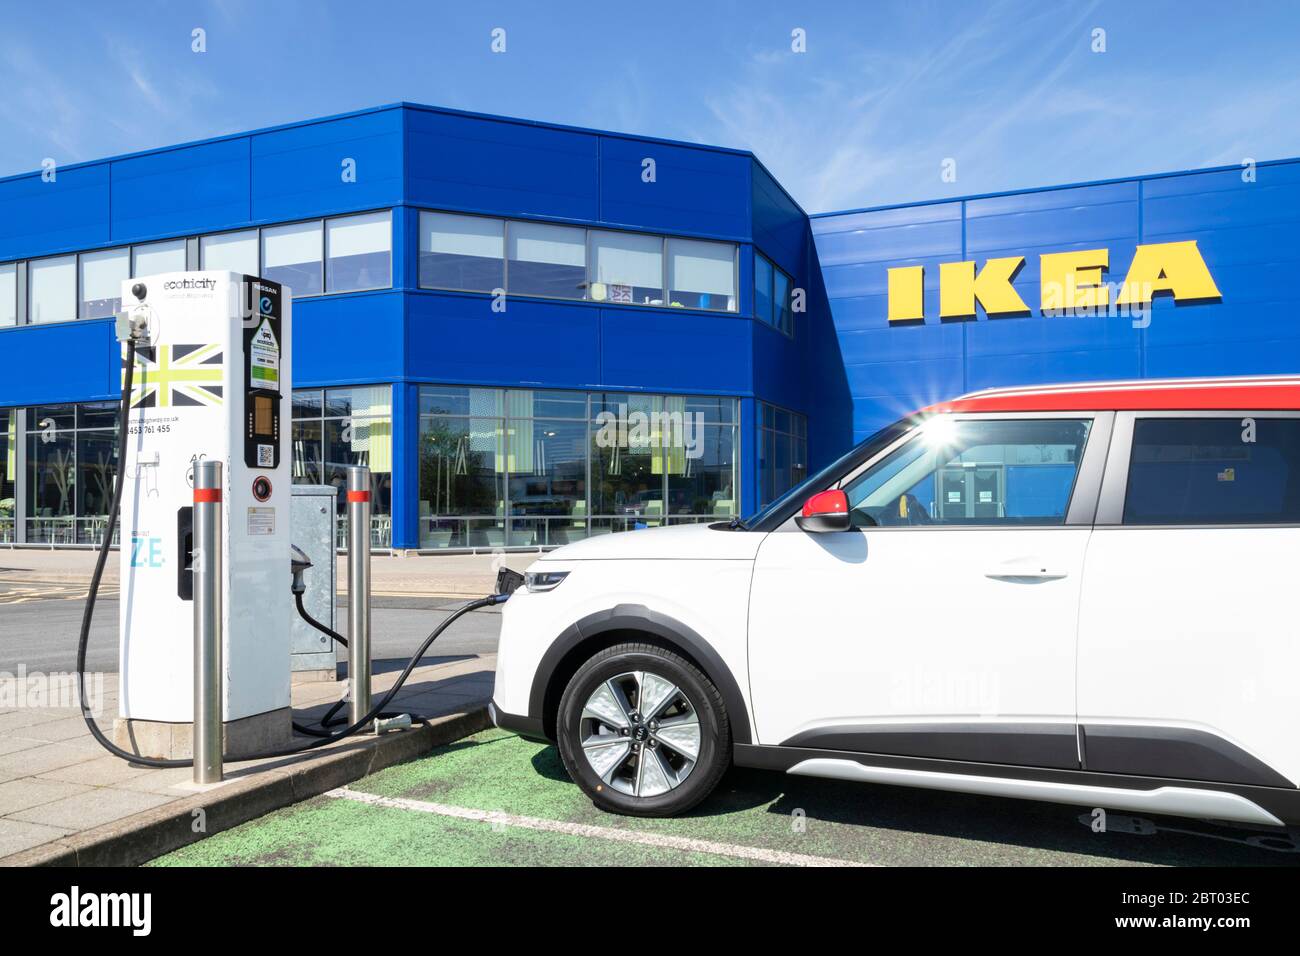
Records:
x=825, y=511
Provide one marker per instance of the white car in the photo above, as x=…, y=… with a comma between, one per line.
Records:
x=1079, y=593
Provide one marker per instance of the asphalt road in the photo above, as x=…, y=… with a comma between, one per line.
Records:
x=495, y=799
x=39, y=626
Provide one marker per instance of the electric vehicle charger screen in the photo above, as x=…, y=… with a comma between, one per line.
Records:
x=263, y=416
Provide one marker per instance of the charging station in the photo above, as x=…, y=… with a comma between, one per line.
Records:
x=211, y=382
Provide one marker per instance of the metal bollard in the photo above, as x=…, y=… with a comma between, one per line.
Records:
x=359, y=591
x=206, y=571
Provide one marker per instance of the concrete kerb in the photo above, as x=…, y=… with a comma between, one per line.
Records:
x=143, y=836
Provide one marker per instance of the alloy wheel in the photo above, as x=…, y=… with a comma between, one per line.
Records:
x=640, y=734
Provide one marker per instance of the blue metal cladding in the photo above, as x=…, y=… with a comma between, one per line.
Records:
x=694, y=190
x=468, y=163
x=347, y=164
x=196, y=189
x=39, y=216
x=1248, y=233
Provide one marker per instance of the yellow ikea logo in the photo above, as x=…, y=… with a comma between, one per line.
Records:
x=1070, y=283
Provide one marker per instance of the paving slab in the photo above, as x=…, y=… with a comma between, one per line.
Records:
x=23, y=794
x=91, y=808
x=16, y=836
x=64, y=801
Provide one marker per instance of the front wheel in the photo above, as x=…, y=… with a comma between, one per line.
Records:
x=643, y=732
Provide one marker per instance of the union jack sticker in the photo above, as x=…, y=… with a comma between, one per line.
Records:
x=176, y=376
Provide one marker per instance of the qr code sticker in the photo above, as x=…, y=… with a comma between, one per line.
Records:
x=266, y=456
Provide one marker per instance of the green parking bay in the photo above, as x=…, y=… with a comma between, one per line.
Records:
x=496, y=799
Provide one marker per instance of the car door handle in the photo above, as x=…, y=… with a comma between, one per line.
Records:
x=1036, y=571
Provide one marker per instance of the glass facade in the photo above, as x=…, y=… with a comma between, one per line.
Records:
x=71, y=469
x=783, y=451
x=518, y=468
x=337, y=427
x=8, y=473
x=482, y=254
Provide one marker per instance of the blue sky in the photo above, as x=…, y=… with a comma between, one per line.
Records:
x=885, y=92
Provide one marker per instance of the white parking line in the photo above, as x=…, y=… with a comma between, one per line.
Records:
x=659, y=840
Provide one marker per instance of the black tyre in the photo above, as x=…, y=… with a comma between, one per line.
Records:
x=643, y=732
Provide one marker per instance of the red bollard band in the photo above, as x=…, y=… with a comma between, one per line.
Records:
x=206, y=495
x=358, y=497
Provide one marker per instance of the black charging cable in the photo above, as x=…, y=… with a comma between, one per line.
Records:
x=92, y=596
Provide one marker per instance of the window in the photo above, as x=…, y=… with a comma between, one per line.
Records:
x=232, y=251
x=359, y=250
x=530, y=467
x=71, y=470
x=783, y=451
x=158, y=257
x=102, y=275
x=547, y=260
x=763, y=271
x=702, y=275
x=347, y=426
x=626, y=267
x=461, y=252
x=52, y=294
x=781, y=305
x=8, y=293
x=1233, y=471
x=291, y=255
x=8, y=479
x=956, y=472
x=772, y=295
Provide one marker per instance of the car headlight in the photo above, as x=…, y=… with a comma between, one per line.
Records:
x=544, y=580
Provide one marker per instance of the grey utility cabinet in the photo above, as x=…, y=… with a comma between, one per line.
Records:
x=311, y=520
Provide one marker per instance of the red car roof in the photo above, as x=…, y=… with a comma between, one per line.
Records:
x=1271, y=393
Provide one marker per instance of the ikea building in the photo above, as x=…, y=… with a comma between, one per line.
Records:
x=532, y=333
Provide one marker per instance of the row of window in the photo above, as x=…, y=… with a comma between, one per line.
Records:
x=773, y=294
x=481, y=254
x=528, y=468
x=1182, y=471
x=342, y=254
x=457, y=252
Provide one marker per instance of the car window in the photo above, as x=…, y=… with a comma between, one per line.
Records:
x=1214, y=471
x=973, y=472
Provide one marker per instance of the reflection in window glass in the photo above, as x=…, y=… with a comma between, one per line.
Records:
x=547, y=260
x=1213, y=471
x=360, y=252
x=8, y=293
x=461, y=252
x=627, y=268
x=232, y=251
x=763, y=271
x=8, y=478
x=307, y=403
x=52, y=289
x=158, y=257
x=701, y=275
x=974, y=473
x=781, y=305
x=71, y=470
x=102, y=275
x=529, y=468
x=308, y=452
x=783, y=451
x=548, y=480
x=291, y=255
